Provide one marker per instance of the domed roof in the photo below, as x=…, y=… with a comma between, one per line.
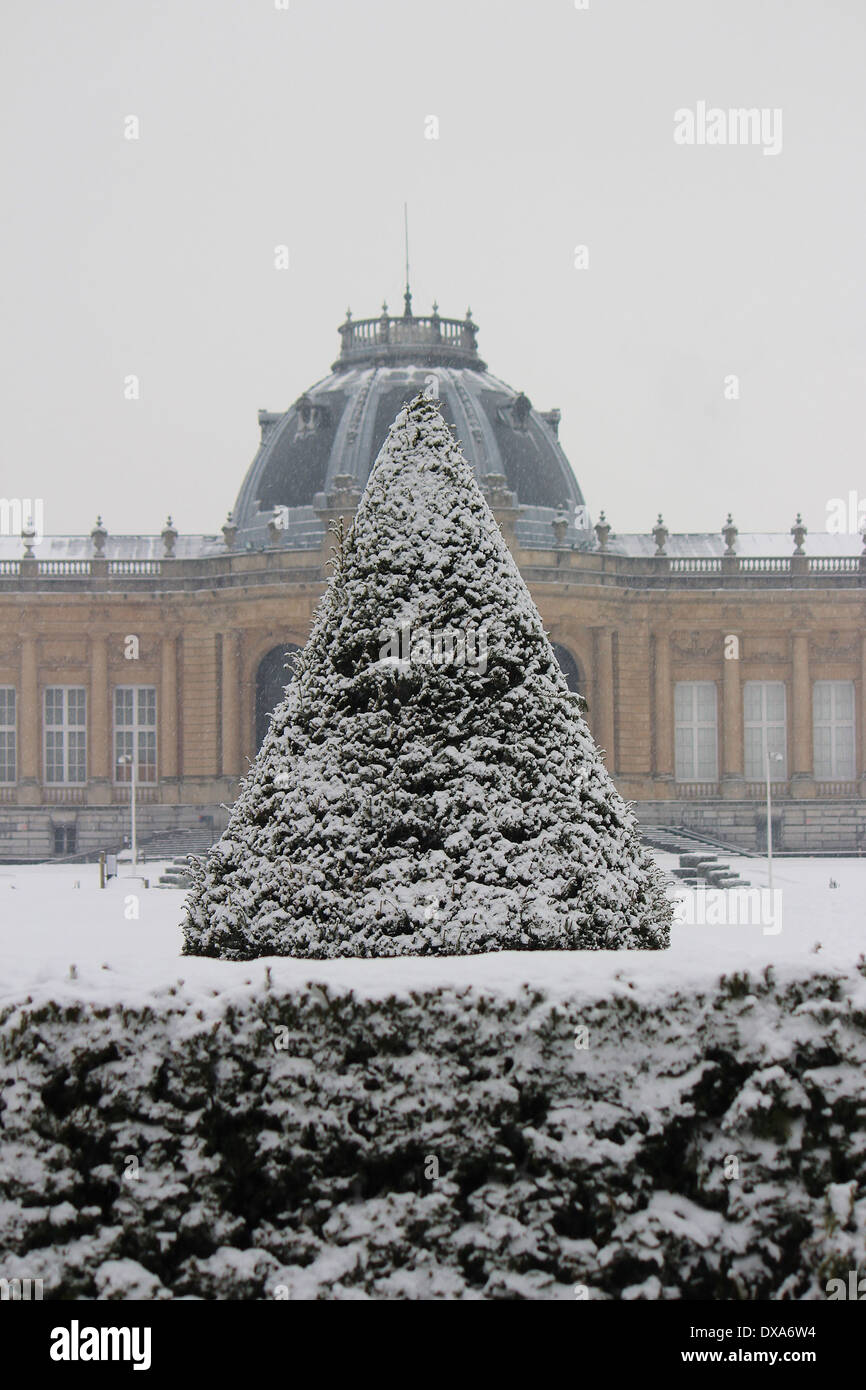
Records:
x=319, y=452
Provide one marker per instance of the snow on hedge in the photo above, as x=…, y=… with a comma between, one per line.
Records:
x=443, y=1142
x=428, y=785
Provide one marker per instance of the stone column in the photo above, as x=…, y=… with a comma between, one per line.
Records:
x=603, y=723
x=167, y=714
x=663, y=712
x=231, y=726
x=803, y=769
x=733, y=777
x=99, y=749
x=29, y=725
x=247, y=686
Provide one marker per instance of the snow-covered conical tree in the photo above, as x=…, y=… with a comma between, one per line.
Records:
x=428, y=784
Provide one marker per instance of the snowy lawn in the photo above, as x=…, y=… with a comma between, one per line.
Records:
x=48, y=925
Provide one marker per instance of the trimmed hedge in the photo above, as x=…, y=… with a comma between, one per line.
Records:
x=455, y=1143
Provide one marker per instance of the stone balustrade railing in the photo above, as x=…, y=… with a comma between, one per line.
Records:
x=586, y=567
x=390, y=337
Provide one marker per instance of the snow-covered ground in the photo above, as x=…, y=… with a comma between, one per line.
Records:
x=60, y=935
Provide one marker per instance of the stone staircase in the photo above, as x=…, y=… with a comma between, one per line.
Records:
x=195, y=842
x=176, y=875
x=676, y=839
x=702, y=870
x=171, y=844
x=698, y=866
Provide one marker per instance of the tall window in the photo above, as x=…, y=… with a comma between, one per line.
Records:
x=695, y=731
x=764, y=720
x=135, y=731
x=65, y=733
x=7, y=733
x=833, y=728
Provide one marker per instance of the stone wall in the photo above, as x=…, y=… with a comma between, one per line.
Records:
x=27, y=833
x=799, y=827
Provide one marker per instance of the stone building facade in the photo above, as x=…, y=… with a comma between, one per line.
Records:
x=698, y=655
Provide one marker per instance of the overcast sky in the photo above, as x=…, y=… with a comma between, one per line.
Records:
x=260, y=126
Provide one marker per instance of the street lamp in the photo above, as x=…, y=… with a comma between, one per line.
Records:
x=776, y=757
x=123, y=760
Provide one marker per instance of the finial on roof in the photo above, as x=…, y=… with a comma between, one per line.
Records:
x=660, y=535
x=602, y=530
x=28, y=536
x=169, y=536
x=730, y=533
x=560, y=525
x=230, y=531
x=99, y=536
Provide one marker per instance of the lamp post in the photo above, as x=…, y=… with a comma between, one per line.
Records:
x=776, y=757
x=130, y=759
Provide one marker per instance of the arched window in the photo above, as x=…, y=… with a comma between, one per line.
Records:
x=569, y=668
x=272, y=677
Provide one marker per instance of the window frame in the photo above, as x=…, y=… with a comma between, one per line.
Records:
x=778, y=770
x=833, y=724
x=65, y=728
x=136, y=730
x=8, y=728
x=694, y=725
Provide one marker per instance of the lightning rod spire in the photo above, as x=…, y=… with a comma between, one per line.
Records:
x=407, y=297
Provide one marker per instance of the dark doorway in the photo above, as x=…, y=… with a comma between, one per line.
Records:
x=569, y=668
x=65, y=839
x=272, y=677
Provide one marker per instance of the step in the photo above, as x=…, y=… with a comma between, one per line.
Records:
x=720, y=872
x=693, y=860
